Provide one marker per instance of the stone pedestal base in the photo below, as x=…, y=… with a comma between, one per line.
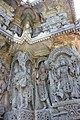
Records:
x=1, y=112
x=19, y=115
x=66, y=110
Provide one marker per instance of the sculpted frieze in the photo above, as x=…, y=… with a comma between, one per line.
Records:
x=47, y=88
x=63, y=75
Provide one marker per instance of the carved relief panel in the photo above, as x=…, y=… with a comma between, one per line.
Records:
x=41, y=83
x=21, y=82
x=63, y=74
x=4, y=77
x=47, y=89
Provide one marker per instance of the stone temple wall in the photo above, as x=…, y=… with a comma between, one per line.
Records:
x=47, y=89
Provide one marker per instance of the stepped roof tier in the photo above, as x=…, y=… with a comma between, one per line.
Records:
x=37, y=21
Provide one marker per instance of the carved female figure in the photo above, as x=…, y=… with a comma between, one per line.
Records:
x=42, y=85
x=28, y=90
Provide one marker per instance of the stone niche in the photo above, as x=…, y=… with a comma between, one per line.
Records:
x=48, y=89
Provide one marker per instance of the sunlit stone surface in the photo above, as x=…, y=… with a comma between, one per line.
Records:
x=39, y=60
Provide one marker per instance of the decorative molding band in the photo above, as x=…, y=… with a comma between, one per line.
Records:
x=75, y=28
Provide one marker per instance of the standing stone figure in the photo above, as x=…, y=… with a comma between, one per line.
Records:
x=42, y=88
x=22, y=93
x=18, y=83
x=4, y=72
x=28, y=91
x=3, y=88
x=53, y=84
x=76, y=78
x=66, y=83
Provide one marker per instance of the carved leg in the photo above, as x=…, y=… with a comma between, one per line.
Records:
x=20, y=99
x=25, y=101
x=44, y=104
x=14, y=100
x=66, y=96
x=14, y=105
x=48, y=102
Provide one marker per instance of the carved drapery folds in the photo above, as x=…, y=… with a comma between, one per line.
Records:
x=21, y=82
x=51, y=88
x=41, y=84
x=64, y=75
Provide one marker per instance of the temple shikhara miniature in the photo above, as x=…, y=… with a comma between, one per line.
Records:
x=39, y=60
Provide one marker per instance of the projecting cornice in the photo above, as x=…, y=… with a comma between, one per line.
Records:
x=73, y=28
x=45, y=36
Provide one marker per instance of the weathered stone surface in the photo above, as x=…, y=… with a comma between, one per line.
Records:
x=4, y=76
x=39, y=81
x=68, y=110
x=19, y=115
x=21, y=88
x=48, y=89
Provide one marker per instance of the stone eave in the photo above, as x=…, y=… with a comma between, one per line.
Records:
x=74, y=28
x=43, y=36
x=6, y=34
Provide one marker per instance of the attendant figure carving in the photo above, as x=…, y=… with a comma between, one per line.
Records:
x=53, y=84
x=42, y=87
x=66, y=83
x=28, y=92
x=76, y=78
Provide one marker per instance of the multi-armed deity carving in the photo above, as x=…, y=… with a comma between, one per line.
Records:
x=22, y=88
x=64, y=75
